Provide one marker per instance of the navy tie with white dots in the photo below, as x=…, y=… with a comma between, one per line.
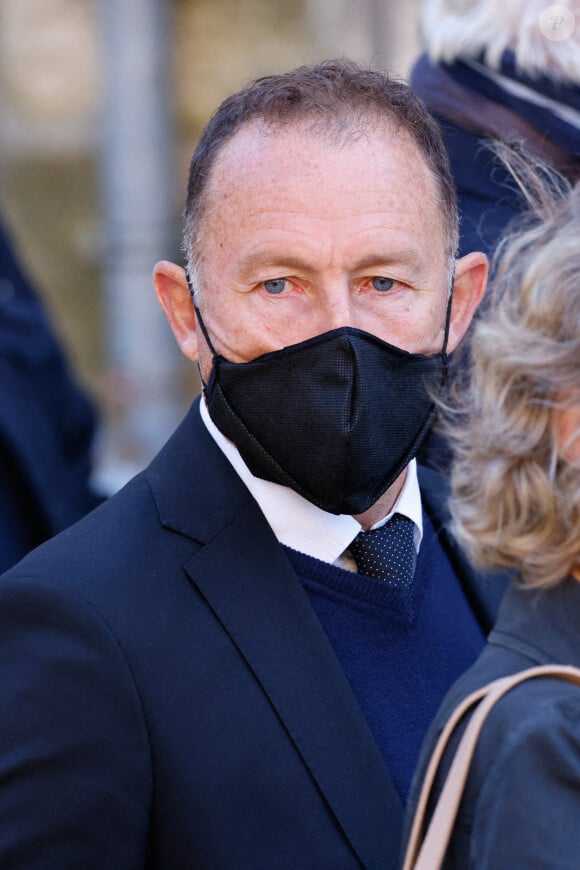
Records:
x=387, y=553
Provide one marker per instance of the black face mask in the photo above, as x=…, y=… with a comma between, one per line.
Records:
x=336, y=418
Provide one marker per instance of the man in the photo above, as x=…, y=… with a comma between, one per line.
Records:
x=199, y=676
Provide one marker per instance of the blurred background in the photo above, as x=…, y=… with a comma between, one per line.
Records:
x=101, y=103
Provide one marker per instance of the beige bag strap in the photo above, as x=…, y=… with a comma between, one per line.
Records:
x=428, y=853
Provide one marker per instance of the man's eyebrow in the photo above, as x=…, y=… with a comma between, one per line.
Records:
x=271, y=258
x=409, y=258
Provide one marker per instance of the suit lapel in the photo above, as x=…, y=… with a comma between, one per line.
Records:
x=244, y=576
x=247, y=581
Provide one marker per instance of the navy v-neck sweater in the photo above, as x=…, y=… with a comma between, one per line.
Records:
x=400, y=648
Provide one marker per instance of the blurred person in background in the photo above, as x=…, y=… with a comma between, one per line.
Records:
x=232, y=663
x=516, y=503
x=500, y=70
x=47, y=424
x=497, y=71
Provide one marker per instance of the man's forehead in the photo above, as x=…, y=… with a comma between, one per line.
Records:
x=240, y=158
x=288, y=177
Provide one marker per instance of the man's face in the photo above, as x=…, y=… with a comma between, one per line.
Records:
x=302, y=235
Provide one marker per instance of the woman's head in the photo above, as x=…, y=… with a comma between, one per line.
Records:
x=516, y=480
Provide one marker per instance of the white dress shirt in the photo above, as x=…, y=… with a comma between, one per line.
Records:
x=301, y=525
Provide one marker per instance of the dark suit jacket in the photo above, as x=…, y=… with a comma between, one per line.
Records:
x=521, y=806
x=169, y=698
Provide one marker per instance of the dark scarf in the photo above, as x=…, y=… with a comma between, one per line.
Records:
x=540, y=113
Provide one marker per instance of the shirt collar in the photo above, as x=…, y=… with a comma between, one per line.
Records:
x=299, y=524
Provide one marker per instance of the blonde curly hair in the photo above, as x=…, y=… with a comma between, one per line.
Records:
x=515, y=491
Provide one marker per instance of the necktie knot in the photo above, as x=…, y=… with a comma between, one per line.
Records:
x=387, y=553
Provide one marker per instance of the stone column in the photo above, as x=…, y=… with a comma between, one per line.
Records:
x=138, y=209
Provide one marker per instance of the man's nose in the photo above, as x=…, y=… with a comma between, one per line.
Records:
x=338, y=311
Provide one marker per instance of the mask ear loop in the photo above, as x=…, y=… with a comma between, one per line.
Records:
x=205, y=334
x=198, y=315
x=444, y=355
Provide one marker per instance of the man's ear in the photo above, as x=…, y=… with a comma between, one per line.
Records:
x=468, y=289
x=175, y=299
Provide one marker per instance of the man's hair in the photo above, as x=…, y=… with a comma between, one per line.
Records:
x=456, y=29
x=516, y=493
x=338, y=98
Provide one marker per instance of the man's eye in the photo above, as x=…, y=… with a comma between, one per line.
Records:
x=275, y=285
x=382, y=284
